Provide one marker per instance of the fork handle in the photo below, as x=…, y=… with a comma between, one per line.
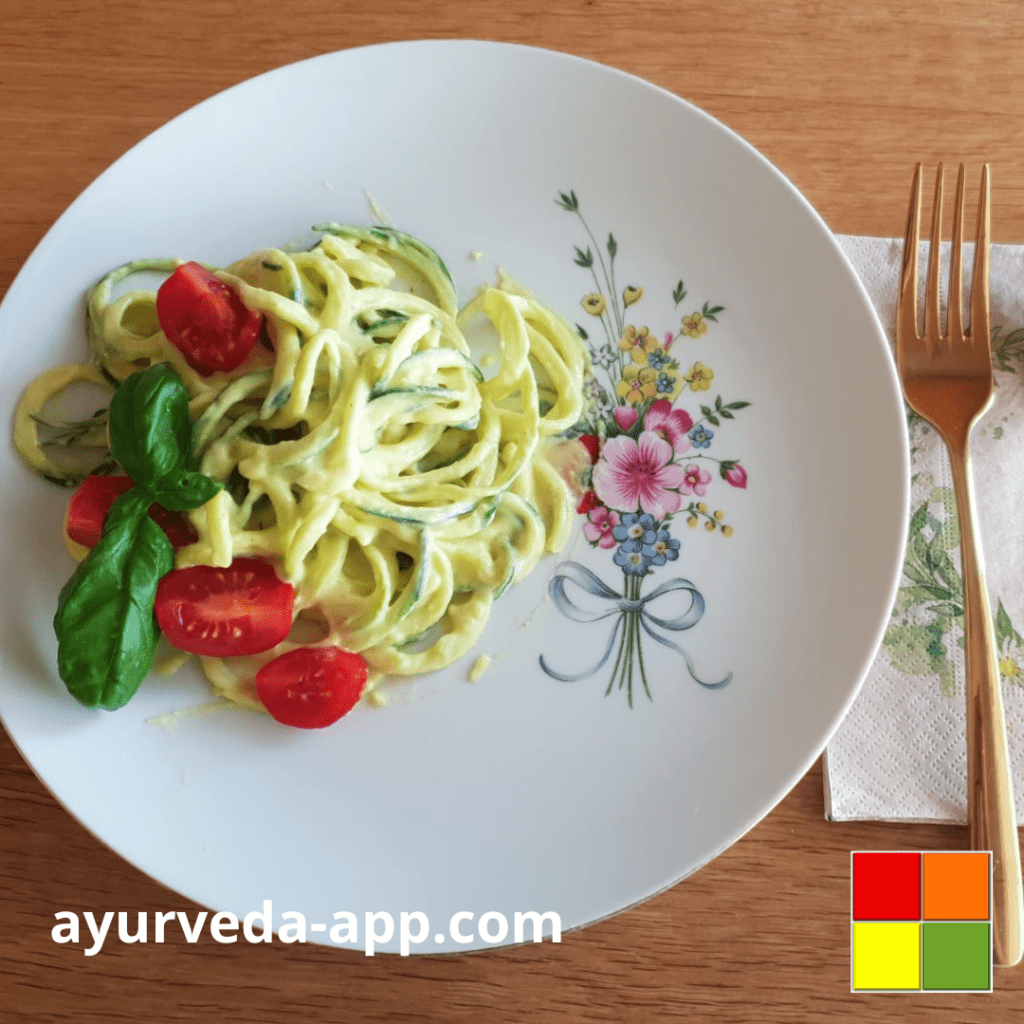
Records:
x=991, y=815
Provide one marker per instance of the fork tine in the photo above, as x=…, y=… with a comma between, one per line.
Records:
x=906, y=314
x=932, y=327
x=954, y=308
x=979, y=279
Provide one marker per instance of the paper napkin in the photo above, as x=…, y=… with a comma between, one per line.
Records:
x=900, y=753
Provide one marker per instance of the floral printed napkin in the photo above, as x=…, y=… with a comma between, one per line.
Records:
x=900, y=753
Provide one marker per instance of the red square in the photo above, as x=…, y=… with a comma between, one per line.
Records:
x=886, y=886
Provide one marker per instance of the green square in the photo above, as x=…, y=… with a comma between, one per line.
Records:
x=956, y=955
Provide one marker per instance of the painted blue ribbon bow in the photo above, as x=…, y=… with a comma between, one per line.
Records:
x=573, y=572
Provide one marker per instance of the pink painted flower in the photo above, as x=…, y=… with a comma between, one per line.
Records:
x=599, y=525
x=695, y=481
x=670, y=424
x=625, y=416
x=669, y=338
x=635, y=475
x=736, y=475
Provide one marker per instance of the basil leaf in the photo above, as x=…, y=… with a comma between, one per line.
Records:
x=105, y=626
x=104, y=622
x=150, y=428
x=184, y=490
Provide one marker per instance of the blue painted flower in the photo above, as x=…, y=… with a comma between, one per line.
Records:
x=658, y=358
x=633, y=527
x=700, y=436
x=665, y=384
x=664, y=549
x=633, y=563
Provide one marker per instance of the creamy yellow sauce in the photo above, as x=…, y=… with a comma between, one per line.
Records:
x=480, y=666
x=397, y=486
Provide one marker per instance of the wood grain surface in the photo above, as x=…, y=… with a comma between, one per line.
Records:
x=844, y=98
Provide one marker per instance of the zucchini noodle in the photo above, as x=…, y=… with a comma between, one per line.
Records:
x=364, y=451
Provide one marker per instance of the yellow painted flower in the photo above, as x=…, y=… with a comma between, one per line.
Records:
x=702, y=506
x=695, y=325
x=719, y=514
x=699, y=377
x=632, y=294
x=637, y=384
x=691, y=522
x=638, y=343
x=1009, y=667
x=594, y=303
x=726, y=531
x=709, y=525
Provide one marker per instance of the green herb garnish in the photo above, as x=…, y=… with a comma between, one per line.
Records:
x=104, y=622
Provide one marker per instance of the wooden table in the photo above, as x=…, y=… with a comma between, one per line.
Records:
x=844, y=98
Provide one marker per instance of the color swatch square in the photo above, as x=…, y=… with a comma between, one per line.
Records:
x=956, y=955
x=887, y=886
x=921, y=921
x=886, y=955
x=956, y=886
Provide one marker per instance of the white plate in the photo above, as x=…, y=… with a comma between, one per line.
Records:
x=519, y=792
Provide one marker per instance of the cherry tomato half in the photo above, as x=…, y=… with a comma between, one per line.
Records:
x=180, y=531
x=222, y=613
x=206, y=319
x=91, y=502
x=311, y=687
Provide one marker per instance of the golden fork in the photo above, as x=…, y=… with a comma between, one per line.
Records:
x=947, y=379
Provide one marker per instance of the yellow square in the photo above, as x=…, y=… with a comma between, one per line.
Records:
x=886, y=955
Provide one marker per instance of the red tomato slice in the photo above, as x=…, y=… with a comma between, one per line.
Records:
x=311, y=687
x=222, y=613
x=206, y=320
x=91, y=503
x=178, y=527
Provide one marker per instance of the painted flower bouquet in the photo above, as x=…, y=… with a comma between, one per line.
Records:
x=649, y=463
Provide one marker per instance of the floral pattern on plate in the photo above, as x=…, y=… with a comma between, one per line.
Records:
x=651, y=467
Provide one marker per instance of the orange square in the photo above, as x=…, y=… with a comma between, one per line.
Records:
x=956, y=886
